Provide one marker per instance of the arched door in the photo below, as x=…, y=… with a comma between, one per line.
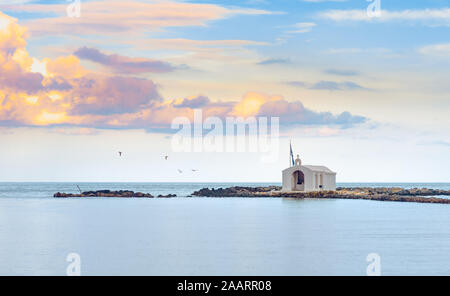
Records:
x=298, y=183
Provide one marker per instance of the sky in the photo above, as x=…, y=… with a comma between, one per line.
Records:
x=366, y=95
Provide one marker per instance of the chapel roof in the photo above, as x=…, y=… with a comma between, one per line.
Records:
x=319, y=168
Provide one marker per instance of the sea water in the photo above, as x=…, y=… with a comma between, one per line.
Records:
x=216, y=236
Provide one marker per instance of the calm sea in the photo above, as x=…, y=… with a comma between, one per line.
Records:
x=214, y=236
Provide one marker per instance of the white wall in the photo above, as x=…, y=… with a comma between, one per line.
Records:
x=312, y=180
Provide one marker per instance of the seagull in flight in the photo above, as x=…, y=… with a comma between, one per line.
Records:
x=194, y=170
x=120, y=153
x=166, y=157
x=180, y=171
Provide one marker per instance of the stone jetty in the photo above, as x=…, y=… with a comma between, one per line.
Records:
x=108, y=193
x=420, y=195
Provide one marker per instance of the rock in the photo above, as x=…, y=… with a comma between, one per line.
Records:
x=105, y=193
x=167, y=196
x=236, y=191
x=377, y=193
x=422, y=195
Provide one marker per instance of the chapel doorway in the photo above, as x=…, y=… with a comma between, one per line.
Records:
x=298, y=181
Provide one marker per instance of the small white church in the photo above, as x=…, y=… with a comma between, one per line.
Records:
x=308, y=178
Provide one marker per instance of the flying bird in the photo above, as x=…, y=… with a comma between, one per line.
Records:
x=180, y=171
x=166, y=157
x=120, y=153
x=194, y=170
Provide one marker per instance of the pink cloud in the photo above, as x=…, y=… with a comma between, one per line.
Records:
x=294, y=113
x=17, y=80
x=122, y=64
x=96, y=94
x=118, y=16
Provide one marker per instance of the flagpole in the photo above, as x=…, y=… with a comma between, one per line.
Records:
x=290, y=154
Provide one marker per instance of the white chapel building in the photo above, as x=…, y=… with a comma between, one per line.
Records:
x=308, y=178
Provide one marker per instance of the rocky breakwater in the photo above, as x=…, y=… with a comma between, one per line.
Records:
x=109, y=193
x=420, y=195
x=238, y=191
x=393, y=191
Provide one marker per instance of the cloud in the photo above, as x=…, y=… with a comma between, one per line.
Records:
x=440, y=50
x=119, y=17
x=442, y=143
x=60, y=93
x=256, y=2
x=222, y=50
x=113, y=19
x=290, y=113
x=319, y=1
x=95, y=94
x=327, y=85
x=341, y=72
x=15, y=1
x=435, y=142
x=355, y=50
x=83, y=131
x=433, y=17
x=297, y=84
x=194, y=102
x=15, y=64
x=274, y=62
x=68, y=67
x=58, y=84
x=332, y=85
x=194, y=45
x=199, y=47
x=17, y=80
x=122, y=64
x=300, y=28
x=294, y=113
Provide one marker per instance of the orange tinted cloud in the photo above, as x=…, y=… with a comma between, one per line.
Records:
x=60, y=91
x=251, y=103
x=67, y=67
x=52, y=92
